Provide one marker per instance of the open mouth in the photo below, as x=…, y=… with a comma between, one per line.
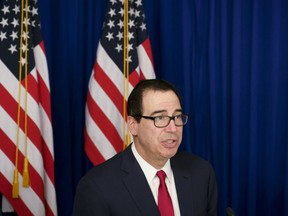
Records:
x=169, y=143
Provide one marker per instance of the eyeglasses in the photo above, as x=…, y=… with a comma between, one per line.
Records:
x=163, y=121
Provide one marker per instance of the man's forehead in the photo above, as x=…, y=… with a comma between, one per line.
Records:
x=156, y=94
x=153, y=100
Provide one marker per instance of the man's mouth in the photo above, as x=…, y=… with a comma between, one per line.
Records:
x=169, y=143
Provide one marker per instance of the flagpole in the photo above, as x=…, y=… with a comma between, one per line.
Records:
x=26, y=179
x=15, y=187
x=126, y=135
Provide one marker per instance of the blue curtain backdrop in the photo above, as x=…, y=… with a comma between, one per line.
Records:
x=230, y=61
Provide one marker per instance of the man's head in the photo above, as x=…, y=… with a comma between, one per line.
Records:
x=134, y=106
x=155, y=120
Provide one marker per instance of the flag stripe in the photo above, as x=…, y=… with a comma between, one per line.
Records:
x=145, y=62
x=105, y=125
x=35, y=167
x=145, y=50
x=36, y=180
x=25, y=197
x=42, y=74
x=92, y=151
x=109, y=88
x=18, y=205
x=33, y=132
x=34, y=110
x=101, y=99
x=100, y=140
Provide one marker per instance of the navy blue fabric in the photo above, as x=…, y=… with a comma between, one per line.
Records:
x=229, y=59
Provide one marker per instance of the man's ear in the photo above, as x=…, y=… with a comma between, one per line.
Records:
x=132, y=125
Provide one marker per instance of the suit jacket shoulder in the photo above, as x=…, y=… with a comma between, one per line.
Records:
x=116, y=187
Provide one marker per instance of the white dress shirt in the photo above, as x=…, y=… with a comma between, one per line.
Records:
x=153, y=180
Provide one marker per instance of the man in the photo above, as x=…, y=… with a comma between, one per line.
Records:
x=128, y=183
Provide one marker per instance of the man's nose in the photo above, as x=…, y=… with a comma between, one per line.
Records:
x=171, y=126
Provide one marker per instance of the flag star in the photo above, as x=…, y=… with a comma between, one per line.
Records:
x=33, y=23
x=120, y=24
x=109, y=36
x=26, y=20
x=14, y=35
x=12, y=48
x=25, y=35
x=5, y=9
x=137, y=13
x=3, y=35
x=130, y=47
x=121, y=12
x=24, y=48
x=16, y=9
x=23, y=61
x=131, y=11
x=131, y=23
x=138, y=2
x=118, y=47
x=143, y=26
x=34, y=11
x=113, y=1
x=29, y=10
x=4, y=22
x=15, y=22
x=129, y=59
x=119, y=35
x=110, y=24
x=112, y=12
x=130, y=35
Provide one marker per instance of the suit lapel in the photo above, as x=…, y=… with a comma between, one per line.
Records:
x=184, y=189
x=137, y=185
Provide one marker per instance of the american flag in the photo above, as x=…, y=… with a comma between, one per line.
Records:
x=25, y=116
x=105, y=117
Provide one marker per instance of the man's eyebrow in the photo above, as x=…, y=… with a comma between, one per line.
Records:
x=162, y=111
x=158, y=111
x=178, y=110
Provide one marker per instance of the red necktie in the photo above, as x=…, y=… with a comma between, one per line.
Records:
x=164, y=200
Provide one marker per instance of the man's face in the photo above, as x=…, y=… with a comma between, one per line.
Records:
x=157, y=145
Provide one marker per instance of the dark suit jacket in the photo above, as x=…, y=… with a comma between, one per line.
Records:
x=118, y=187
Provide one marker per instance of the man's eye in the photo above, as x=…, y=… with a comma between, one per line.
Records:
x=159, y=118
x=178, y=116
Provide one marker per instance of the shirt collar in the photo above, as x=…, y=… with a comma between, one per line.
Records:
x=149, y=170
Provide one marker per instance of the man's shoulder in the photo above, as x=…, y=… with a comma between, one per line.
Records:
x=111, y=167
x=107, y=166
x=190, y=161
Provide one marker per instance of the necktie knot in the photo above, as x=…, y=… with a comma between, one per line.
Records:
x=161, y=175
